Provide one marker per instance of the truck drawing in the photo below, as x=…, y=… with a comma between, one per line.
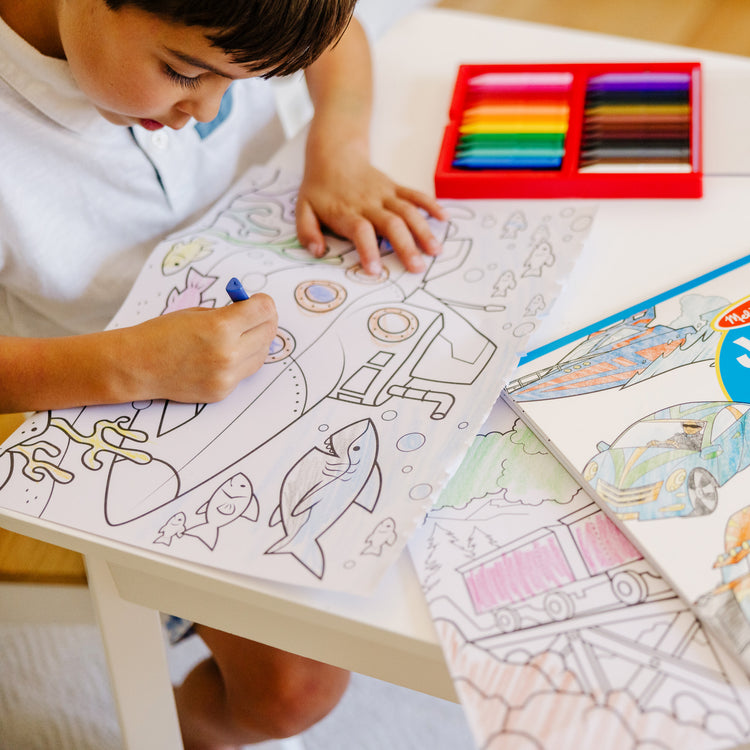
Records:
x=579, y=565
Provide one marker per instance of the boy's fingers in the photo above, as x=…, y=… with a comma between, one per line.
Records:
x=424, y=201
x=308, y=229
x=397, y=232
x=254, y=313
x=366, y=241
x=417, y=225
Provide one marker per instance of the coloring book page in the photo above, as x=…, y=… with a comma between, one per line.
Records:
x=557, y=633
x=319, y=467
x=650, y=409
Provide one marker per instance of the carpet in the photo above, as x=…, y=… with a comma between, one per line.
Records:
x=54, y=695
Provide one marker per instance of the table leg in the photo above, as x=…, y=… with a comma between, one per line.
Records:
x=137, y=661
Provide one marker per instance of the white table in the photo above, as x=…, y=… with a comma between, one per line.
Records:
x=646, y=245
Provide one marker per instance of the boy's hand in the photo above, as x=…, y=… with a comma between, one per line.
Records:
x=195, y=356
x=344, y=192
x=200, y=355
x=340, y=188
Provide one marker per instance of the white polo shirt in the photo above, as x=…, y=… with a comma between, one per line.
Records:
x=83, y=202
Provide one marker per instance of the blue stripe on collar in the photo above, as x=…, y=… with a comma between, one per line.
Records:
x=205, y=129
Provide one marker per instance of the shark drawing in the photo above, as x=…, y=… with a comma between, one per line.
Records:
x=234, y=498
x=320, y=487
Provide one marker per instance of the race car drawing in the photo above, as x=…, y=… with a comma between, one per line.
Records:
x=616, y=356
x=672, y=462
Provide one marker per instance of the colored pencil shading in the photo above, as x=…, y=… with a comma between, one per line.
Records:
x=638, y=122
x=514, y=121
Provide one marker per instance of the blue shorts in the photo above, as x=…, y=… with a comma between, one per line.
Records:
x=177, y=628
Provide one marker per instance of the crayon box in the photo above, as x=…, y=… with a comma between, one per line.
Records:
x=601, y=130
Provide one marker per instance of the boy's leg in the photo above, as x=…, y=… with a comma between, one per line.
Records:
x=247, y=692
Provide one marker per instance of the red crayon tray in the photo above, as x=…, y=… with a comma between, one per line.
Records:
x=567, y=180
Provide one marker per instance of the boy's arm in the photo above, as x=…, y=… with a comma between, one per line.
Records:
x=194, y=355
x=341, y=189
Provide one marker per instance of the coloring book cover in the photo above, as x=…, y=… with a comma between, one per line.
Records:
x=651, y=410
x=557, y=633
x=318, y=468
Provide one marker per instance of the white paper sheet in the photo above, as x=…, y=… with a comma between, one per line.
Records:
x=651, y=408
x=558, y=634
x=317, y=469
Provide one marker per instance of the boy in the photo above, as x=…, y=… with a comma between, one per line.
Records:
x=117, y=126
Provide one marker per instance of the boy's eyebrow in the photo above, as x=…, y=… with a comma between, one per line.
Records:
x=196, y=62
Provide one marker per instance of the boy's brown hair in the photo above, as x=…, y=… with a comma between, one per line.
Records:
x=278, y=37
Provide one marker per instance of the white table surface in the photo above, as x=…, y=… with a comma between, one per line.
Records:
x=638, y=248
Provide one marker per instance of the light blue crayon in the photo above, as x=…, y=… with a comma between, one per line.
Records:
x=523, y=152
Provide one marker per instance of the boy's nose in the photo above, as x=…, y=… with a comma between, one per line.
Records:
x=203, y=105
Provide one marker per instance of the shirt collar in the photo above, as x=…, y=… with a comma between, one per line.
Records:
x=48, y=85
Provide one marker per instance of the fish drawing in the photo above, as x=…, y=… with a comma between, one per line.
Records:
x=192, y=294
x=535, y=306
x=174, y=527
x=384, y=534
x=515, y=223
x=182, y=254
x=506, y=282
x=541, y=255
x=234, y=498
x=321, y=486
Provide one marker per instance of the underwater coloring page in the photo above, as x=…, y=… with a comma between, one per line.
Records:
x=318, y=468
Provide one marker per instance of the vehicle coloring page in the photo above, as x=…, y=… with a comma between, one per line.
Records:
x=650, y=410
x=318, y=468
x=556, y=632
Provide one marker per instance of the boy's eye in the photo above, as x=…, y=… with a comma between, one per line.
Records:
x=185, y=81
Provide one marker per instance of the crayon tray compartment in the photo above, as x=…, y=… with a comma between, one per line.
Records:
x=569, y=179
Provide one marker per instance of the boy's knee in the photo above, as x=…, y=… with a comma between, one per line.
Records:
x=297, y=694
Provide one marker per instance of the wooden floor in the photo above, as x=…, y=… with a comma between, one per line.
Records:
x=24, y=560
x=720, y=25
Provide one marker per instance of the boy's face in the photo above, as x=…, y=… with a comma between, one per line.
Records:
x=139, y=69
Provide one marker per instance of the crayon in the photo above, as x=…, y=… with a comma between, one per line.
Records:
x=644, y=129
x=521, y=81
x=638, y=153
x=647, y=87
x=514, y=120
x=544, y=140
x=637, y=141
x=510, y=127
x=636, y=168
x=637, y=122
x=626, y=96
x=480, y=98
x=475, y=152
x=516, y=162
x=548, y=125
x=236, y=291
x=646, y=111
x=640, y=81
x=525, y=109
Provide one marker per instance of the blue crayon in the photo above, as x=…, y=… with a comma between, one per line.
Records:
x=486, y=162
x=235, y=290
